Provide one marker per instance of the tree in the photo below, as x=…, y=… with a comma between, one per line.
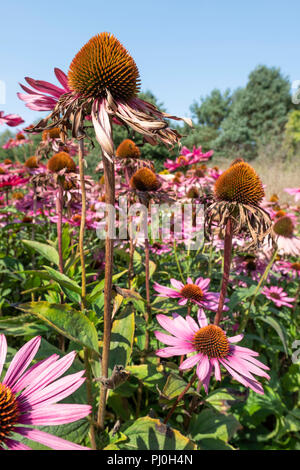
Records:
x=213, y=109
x=258, y=113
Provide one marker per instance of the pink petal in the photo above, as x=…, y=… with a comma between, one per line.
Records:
x=15, y=445
x=216, y=365
x=167, y=339
x=48, y=440
x=177, y=284
x=53, y=415
x=53, y=371
x=21, y=361
x=202, y=320
x=3, y=351
x=170, y=325
x=190, y=361
x=33, y=373
x=236, y=339
x=193, y=325
x=203, y=368
x=174, y=351
x=58, y=390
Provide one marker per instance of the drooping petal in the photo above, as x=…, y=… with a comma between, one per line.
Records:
x=48, y=440
x=235, y=339
x=190, y=361
x=203, y=368
x=174, y=351
x=168, y=339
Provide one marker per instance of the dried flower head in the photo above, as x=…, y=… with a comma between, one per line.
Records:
x=144, y=180
x=284, y=226
x=239, y=183
x=53, y=133
x=61, y=161
x=238, y=193
x=128, y=149
x=103, y=64
x=32, y=162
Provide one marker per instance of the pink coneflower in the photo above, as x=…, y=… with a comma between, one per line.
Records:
x=196, y=293
x=11, y=120
x=47, y=95
x=29, y=397
x=288, y=268
x=11, y=181
x=196, y=155
x=212, y=348
x=293, y=192
x=278, y=296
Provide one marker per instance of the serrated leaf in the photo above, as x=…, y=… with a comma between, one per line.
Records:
x=67, y=321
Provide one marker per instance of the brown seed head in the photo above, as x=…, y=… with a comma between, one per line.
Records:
x=32, y=162
x=104, y=63
x=211, y=341
x=128, y=149
x=239, y=183
x=60, y=161
x=144, y=180
x=9, y=412
x=192, y=292
x=284, y=226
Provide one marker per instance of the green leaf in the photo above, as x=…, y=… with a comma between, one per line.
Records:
x=174, y=386
x=67, y=321
x=221, y=399
x=22, y=325
x=47, y=251
x=149, y=374
x=122, y=335
x=211, y=424
x=151, y=434
x=278, y=328
x=68, y=286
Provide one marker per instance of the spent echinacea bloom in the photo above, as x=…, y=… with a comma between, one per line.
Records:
x=103, y=82
x=212, y=347
x=28, y=397
x=194, y=292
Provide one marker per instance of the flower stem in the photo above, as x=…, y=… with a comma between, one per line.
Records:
x=226, y=271
x=148, y=306
x=179, y=398
x=59, y=209
x=109, y=181
x=82, y=221
x=89, y=394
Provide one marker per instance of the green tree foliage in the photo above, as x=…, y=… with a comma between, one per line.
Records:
x=258, y=113
x=213, y=109
x=292, y=132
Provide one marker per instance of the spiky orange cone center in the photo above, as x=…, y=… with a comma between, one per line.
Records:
x=60, y=161
x=32, y=162
x=128, y=149
x=104, y=63
x=211, y=341
x=239, y=183
x=144, y=180
x=192, y=292
x=9, y=411
x=284, y=227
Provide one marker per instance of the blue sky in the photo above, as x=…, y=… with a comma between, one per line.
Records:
x=183, y=49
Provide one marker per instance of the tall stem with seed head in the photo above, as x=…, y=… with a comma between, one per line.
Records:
x=109, y=182
x=226, y=270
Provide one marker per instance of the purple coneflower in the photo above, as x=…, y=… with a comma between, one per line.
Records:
x=279, y=297
x=196, y=293
x=29, y=397
x=212, y=348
